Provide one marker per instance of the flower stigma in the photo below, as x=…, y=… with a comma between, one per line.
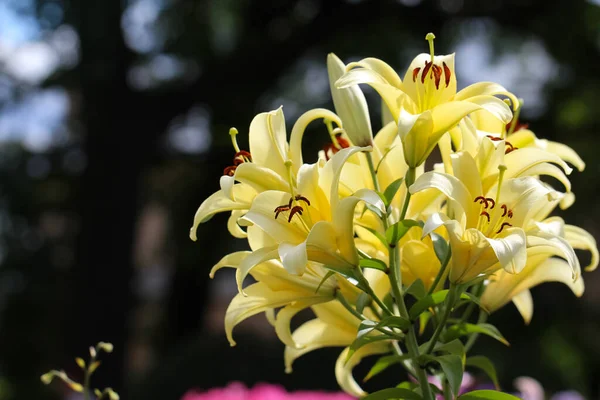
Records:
x=240, y=156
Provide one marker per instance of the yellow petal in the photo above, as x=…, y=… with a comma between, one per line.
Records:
x=316, y=334
x=260, y=178
x=220, y=202
x=411, y=87
x=268, y=144
x=343, y=368
x=581, y=239
x=252, y=260
x=259, y=298
x=233, y=227
x=485, y=89
x=391, y=95
x=298, y=132
x=350, y=104
x=283, y=320
x=293, y=257
x=524, y=303
x=510, y=248
x=232, y=260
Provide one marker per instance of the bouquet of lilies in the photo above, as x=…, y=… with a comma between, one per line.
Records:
x=399, y=256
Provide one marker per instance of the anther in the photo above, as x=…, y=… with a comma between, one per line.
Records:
x=428, y=65
x=416, y=73
x=296, y=209
x=230, y=171
x=502, y=227
x=485, y=214
x=510, y=148
x=494, y=138
x=481, y=199
x=510, y=214
x=300, y=197
x=447, y=73
x=505, y=210
x=437, y=74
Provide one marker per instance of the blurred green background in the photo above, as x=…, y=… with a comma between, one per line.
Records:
x=113, y=129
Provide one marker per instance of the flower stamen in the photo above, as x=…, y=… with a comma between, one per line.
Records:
x=502, y=227
x=297, y=209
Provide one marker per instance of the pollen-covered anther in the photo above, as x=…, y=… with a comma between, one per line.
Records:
x=294, y=210
x=230, y=171
x=494, y=138
x=241, y=157
x=297, y=209
x=428, y=65
x=510, y=214
x=416, y=73
x=505, y=210
x=485, y=201
x=447, y=73
x=485, y=214
x=436, y=73
x=502, y=227
x=332, y=148
x=510, y=148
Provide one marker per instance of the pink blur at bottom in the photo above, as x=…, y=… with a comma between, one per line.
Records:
x=262, y=391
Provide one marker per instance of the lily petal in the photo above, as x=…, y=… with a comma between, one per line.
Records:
x=350, y=104
x=343, y=369
x=268, y=144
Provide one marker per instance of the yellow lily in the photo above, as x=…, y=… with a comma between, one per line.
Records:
x=541, y=267
x=262, y=168
x=425, y=105
x=315, y=224
x=485, y=228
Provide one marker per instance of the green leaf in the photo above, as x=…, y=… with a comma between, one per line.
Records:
x=417, y=289
x=463, y=329
x=392, y=321
x=484, y=364
x=391, y=190
x=427, y=302
x=487, y=395
x=395, y=232
x=383, y=158
x=393, y=393
x=327, y=276
x=475, y=300
x=373, y=263
x=383, y=363
x=375, y=210
x=424, y=318
x=440, y=246
x=455, y=347
x=362, y=341
x=453, y=369
x=362, y=301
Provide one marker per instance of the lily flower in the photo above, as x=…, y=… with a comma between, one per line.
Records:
x=485, y=229
x=542, y=266
x=261, y=169
x=426, y=105
x=315, y=224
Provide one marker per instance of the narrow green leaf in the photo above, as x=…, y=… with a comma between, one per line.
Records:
x=417, y=289
x=391, y=190
x=375, y=210
x=440, y=246
x=424, y=318
x=395, y=232
x=487, y=395
x=393, y=393
x=383, y=363
x=362, y=301
x=475, y=300
x=457, y=331
x=484, y=364
x=362, y=341
x=455, y=347
x=373, y=263
x=427, y=302
x=327, y=276
x=453, y=369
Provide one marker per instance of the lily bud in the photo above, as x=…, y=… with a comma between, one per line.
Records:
x=350, y=105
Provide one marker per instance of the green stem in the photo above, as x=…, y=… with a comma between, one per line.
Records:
x=473, y=338
x=373, y=172
x=471, y=307
x=340, y=297
x=86, y=378
x=411, y=343
x=441, y=272
x=370, y=292
x=448, y=304
x=409, y=179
